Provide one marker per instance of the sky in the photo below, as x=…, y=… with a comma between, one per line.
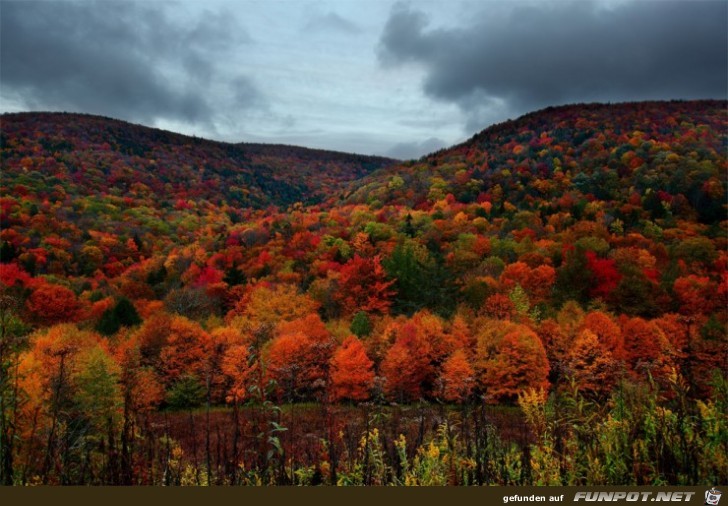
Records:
x=382, y=77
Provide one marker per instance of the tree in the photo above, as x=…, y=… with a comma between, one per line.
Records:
x=186, y=352
x=573, y=277
x=97, y=396
x=187, y=392
x=190, y=302
x=646, y=348
x=363, y=286
x=520, y=363
x=12, y=340
x=298, y=357
x=635, y=295
x=591, y=365
x=421, y=280
x=696, y=294
x=51, y=304
x=123, y=314
x=57, y=353
x=605, y=273
x=293, y=362
x=499, y=306
x=607, y=332
x=265, y=306
x=361, y=326
x=406, y=365
x=352, y=374
x=457, y=378
x=237, y=368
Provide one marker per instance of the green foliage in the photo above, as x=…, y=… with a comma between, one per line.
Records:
x=573, y=278
x=420, y=281
x=98, y=394
x=186, y=393
x=123, y=314
x=361, y=326
x=520, y=300
x=635, y=295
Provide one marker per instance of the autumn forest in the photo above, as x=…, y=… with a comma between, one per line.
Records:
x=545, y=303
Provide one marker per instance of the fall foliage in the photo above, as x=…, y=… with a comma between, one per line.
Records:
x=573, y=257
x=352, y=372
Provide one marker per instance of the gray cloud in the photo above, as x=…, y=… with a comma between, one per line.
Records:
x=510, y=61
x=123, y=59
x=332, y=21
x=414, y=150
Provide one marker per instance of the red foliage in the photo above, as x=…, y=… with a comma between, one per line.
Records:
x=606, y=273
x=51, y=304
x=363, y=286
x=499, y=306
x=10, y=274
x=697, y=294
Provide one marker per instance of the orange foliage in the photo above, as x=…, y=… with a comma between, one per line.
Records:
x=607, y=332
x=237, y=368
x=696, y=294
x=645, y=346
x=298, y=363
x=457, y=377
x=591, y=365
x=187, y=349
x=406, y=366
x=519, y=363
x=554, y=340
x=267, y=306
x=537, y=282
x=352, y=375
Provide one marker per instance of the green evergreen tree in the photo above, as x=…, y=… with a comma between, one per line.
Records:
x=361, y=326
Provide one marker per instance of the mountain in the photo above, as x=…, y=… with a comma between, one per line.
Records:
x=660, y=153
x=95, y=156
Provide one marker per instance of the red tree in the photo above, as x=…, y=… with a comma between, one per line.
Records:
x=606, y=274
x=697, y=294
x=51, y=304
x=363, y=286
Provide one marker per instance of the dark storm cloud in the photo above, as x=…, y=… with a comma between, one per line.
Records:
x=128, y=60
x=510, y=61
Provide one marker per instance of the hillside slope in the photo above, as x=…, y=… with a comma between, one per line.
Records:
x=661, y=153
x=583, y=243
x=91, y=155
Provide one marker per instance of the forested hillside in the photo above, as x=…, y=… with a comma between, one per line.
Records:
x=573, y=262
